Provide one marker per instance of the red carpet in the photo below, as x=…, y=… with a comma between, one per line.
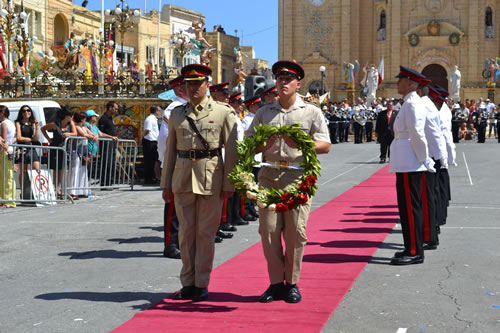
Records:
x=343, y=235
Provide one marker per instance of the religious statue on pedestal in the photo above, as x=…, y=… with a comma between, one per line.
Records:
x=455, y=77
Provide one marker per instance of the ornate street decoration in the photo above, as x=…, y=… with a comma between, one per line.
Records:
x=413, y=39
x=454, y=39
x=433, y=28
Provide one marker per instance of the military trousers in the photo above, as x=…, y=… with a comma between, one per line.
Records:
x=199, y=217
x=291, y=225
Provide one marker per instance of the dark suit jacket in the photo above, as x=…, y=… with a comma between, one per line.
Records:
x=382, y=127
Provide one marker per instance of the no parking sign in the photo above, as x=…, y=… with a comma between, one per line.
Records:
x=42, y=187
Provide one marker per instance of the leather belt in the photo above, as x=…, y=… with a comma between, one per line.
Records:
x=195, y=154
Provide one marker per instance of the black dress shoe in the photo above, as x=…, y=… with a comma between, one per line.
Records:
x=172, y=252
x=218, y=239
x=273, y=292
x=243, y=221
x=185, y=293
x=382, y=160
x=430, y=246
x=247, y=218
x=201, y=294
x=407, y=260
x=292, y=294
x=227, y=227
x=223, y=234
x=401, y=254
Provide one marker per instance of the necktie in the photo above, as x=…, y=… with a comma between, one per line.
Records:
x=389, y=118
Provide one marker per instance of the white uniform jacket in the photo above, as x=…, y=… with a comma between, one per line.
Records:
x=433, y=132
x=445, y=116
x=409, y=152
x=162, y=137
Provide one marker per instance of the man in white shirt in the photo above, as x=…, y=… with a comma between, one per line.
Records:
x=410, y=159
x=170, y=221
x=437, y=151
x=150, y=145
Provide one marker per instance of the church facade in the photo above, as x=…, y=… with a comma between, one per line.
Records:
x=431, y=36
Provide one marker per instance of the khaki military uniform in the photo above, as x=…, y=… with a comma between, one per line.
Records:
x=292, y=223
x=197, y=183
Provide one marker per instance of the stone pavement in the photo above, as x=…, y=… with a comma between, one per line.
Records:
x=91, y=266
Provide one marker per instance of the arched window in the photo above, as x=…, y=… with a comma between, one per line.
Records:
x=381, y=34
x=489, y=31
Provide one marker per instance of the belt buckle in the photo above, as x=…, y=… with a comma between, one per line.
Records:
x=192, y=154
x=283, y=164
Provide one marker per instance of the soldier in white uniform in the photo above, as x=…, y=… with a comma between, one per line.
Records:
x=437, y=151
x=410, y=159
x=170, y=221
x=291, y=225
x=198, y=176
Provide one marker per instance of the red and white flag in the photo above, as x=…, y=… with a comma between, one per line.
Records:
x=381, y=71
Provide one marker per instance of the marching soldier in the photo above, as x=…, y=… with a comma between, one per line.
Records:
x=410, y=159
x=195, y=172
x=291, y=225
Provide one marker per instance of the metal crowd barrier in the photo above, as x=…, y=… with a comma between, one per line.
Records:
x=29, y=173
x=109, y=165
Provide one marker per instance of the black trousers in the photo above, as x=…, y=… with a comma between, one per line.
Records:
x=358, y=132
x=107, y=152
x=455, y=128
x=481, y=132
x=341, y=131
x=385, y=145
x=430, y=202
x=409, y=193
x=445, y=195
x=333, y=127
x=170, y=225
x=369, y=131
x=346, y=131
x=498, y=130
x=150, y=150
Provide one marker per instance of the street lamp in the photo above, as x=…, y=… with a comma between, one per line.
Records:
x=322, y=70
x=123, y=19
x=181, y=42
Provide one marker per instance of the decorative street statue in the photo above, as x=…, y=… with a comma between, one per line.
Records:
x=455, y=77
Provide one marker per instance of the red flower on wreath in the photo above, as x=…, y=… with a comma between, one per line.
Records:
x=301, y=199
x=280, y=208
x=291, y=204
x=304, y=188
x=285, y=197
x=310, y=180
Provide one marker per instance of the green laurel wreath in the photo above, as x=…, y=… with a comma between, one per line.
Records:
x=276, y=199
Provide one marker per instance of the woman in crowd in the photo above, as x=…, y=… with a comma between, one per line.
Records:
x=91, y=125
x=27, y=134
x=80, y=157
x=7, y=137
x=62, y=128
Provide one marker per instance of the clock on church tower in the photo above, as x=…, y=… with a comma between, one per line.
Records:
x=316, y=3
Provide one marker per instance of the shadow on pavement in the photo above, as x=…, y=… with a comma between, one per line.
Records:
x=379, y=220
x=113, y=297
x=111, y=254
x=338, y=258
x=364, y=230
x=356, y=244
x=135, y=240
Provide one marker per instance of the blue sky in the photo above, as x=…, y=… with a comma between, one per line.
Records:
x=255, y=20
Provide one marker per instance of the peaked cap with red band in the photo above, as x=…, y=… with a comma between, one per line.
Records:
x=252, y=100
x=443, y=92
x=195, y=72
x=235, y=97
x=269, y=91
x=286, y=67
x=224, y=87
x=435, y=95
x=408, y=73
x=177, y=81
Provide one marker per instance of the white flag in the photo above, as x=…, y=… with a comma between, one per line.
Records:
x=381, y=71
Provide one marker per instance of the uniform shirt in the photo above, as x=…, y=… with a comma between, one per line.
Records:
x=162, y=136
x=308, y=116
x=216, y=122
x=445, y=117
x=433, y=133
x=409, y=152
x=151, y=124
x=107, y=125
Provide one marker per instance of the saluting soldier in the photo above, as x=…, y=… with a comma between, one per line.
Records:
x=282, y=152
x=410, y=159
x=196, y=173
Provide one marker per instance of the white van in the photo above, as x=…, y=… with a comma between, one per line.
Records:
x=43, y=111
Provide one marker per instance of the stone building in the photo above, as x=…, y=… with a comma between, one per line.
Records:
x=431, y=36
